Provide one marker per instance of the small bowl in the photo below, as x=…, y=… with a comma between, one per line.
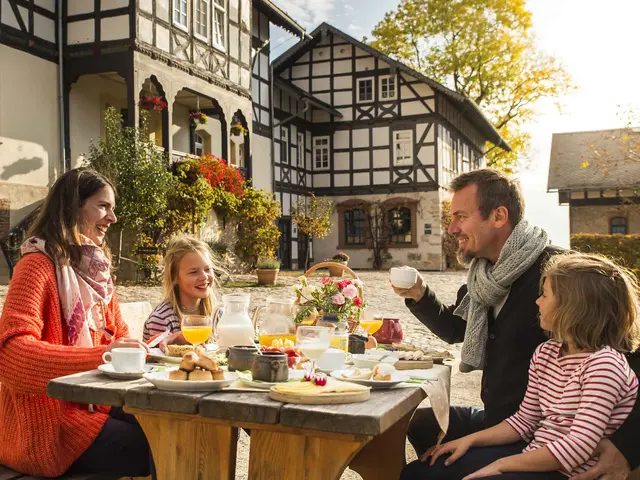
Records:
x=332, y=359
x=403, y=277
x=241, y=357
x=369, y=360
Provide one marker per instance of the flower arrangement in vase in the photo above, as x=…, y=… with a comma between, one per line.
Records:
x=239, y=129
x=197, y=117
x=342, y=298
x=155, y=103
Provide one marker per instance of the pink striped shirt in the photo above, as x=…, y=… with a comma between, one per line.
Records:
x=574, y=401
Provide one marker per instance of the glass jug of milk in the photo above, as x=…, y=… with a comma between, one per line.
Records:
x=235, y=326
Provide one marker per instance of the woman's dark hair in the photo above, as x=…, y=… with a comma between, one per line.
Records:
x=58, y=221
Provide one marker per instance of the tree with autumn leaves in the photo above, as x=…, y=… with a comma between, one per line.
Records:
x=312, y=215
x=484, y=50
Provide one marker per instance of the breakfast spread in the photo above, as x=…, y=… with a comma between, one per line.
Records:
x=197, y=368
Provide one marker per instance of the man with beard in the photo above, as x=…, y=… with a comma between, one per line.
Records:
x=496, y=316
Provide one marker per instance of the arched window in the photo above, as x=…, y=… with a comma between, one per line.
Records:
x=399, y=225
x=354, y=227
x=618, y=225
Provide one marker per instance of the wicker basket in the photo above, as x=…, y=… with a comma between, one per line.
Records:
x=353, y=322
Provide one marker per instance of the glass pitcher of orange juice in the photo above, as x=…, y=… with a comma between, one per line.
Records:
x=277, y=323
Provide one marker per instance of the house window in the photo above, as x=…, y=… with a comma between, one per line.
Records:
x=218, y=22
x=365, y=89
x=321, y=153
x=354, y=227
x=447, y=155
x=284, y=146
x=202, y=18
x=403, y=147
x=180, y=12
x=300, y=152
x=618, y=226
x=399, y=225
x=466, y=154
x=388, y=88
x=198, y=143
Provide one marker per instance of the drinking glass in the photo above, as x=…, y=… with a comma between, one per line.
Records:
x=197, y=328
x=313, y=342
x=371, y=322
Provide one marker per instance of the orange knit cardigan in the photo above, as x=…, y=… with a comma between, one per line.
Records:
x=40, y=435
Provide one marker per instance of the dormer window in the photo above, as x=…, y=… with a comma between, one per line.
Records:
x=180, y=14
x=365, y=89
x=388, y=88
x=219, y=11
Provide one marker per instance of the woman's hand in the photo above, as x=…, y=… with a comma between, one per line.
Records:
x=488, y=471
x=173, y=339
x=457, y=448
x=126, y=343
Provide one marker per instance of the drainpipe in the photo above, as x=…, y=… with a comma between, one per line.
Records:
x=63, y=147
x=273, y=145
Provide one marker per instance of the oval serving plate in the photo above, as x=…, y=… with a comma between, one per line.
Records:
x=162, y=382
x=396, y=378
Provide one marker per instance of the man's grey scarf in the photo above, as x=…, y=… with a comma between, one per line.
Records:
x=488, y=285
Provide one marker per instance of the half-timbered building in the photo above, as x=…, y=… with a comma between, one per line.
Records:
x=371, y=133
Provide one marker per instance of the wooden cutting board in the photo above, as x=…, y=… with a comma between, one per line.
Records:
x=321, y=399
x=413, y=364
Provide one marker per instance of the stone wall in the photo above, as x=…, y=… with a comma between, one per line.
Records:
x=596, y=219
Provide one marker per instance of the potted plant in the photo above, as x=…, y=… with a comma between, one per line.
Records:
x=267, y=269
x=339, y=257
x=155, y=103
x=198, y=118
x=239, y=129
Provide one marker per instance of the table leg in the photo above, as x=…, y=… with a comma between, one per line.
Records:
x=303, y=456
x=384, y=457
x=185, y=448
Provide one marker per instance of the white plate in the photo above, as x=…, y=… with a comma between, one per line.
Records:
x=294, y=375
x=107, y=369
x=396, y=378
x=162, y=382
x=157, y=354
x=370, y=360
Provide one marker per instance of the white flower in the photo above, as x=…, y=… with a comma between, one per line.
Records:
x=358, y=283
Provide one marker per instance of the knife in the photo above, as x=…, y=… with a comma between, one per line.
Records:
x=160, y=338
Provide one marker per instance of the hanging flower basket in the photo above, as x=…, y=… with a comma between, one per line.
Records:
x=198, y=118
x=155, y=103
x=239, y=129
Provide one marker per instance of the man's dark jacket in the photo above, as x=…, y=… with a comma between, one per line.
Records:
x=513, y=337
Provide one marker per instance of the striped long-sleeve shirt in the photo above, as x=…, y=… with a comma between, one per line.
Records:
x=573, y=402
x=162, y=318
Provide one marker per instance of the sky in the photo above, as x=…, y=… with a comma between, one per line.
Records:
x=596, y=42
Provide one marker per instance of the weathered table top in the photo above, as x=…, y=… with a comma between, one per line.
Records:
x=373, y=417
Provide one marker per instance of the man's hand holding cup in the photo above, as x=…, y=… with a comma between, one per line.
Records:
x=407, y=283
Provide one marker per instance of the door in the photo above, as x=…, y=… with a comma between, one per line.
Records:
x=284, y=248
x=303, y=247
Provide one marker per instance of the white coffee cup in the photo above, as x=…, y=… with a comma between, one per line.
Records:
x=126, y=360
x=403, y=277
x=332, y=359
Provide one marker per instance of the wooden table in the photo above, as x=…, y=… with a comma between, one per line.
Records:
x=194, y=435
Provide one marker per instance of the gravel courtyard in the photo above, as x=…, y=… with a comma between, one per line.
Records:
x=379, y=296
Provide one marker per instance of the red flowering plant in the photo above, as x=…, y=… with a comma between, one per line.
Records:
x=155, y=103
x=342, y=298
x=198, y=118
x=226, y=181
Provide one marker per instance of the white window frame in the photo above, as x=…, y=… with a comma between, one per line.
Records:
x=319, y=149
x=177, y=9
x=198, y=143
x=284, y=146
x=366, y=79
x=403, y=147
x=199, y=7
x=389, y=79
x=218, y=39
x=301, y=152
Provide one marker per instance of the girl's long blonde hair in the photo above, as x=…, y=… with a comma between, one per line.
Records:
x=177, y=248
x=596, y=302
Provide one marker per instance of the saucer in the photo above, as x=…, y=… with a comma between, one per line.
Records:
x=107, y=369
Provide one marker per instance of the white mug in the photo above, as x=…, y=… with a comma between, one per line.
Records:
x=126, y=360
x=403, y=277
x=332, y=359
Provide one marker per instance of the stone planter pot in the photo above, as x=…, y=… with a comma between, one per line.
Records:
x=336, y=271
x=267, y=276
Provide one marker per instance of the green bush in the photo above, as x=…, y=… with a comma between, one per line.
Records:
x=268, y=263
x=624, y=249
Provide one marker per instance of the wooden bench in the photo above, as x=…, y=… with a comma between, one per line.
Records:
x=8, y=474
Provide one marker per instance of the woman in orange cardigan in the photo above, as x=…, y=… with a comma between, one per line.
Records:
x=60, y=315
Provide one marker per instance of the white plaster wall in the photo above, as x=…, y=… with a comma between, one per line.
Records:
x=180, y=128
x=89, y=98
x=262, y=171
x=426, y=256
x=29, y=119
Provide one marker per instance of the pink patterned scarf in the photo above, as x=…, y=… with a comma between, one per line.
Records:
x=84, y=290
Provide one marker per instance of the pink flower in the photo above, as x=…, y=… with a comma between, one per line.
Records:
x=343, y=283
x=357, y=302
x=338, y=299
x=350, y=291
x=326, y=281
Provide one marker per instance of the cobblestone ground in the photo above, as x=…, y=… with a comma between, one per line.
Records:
x=379, y=296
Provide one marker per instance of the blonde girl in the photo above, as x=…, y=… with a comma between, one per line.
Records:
x=188, y=285
x=581, y=388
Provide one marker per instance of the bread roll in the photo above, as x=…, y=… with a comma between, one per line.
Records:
x=200, y=375
x=188, y=363
x=383, y=371
x=217, y=374
x=179, y=350
x=206, y=363
x=178, y=375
